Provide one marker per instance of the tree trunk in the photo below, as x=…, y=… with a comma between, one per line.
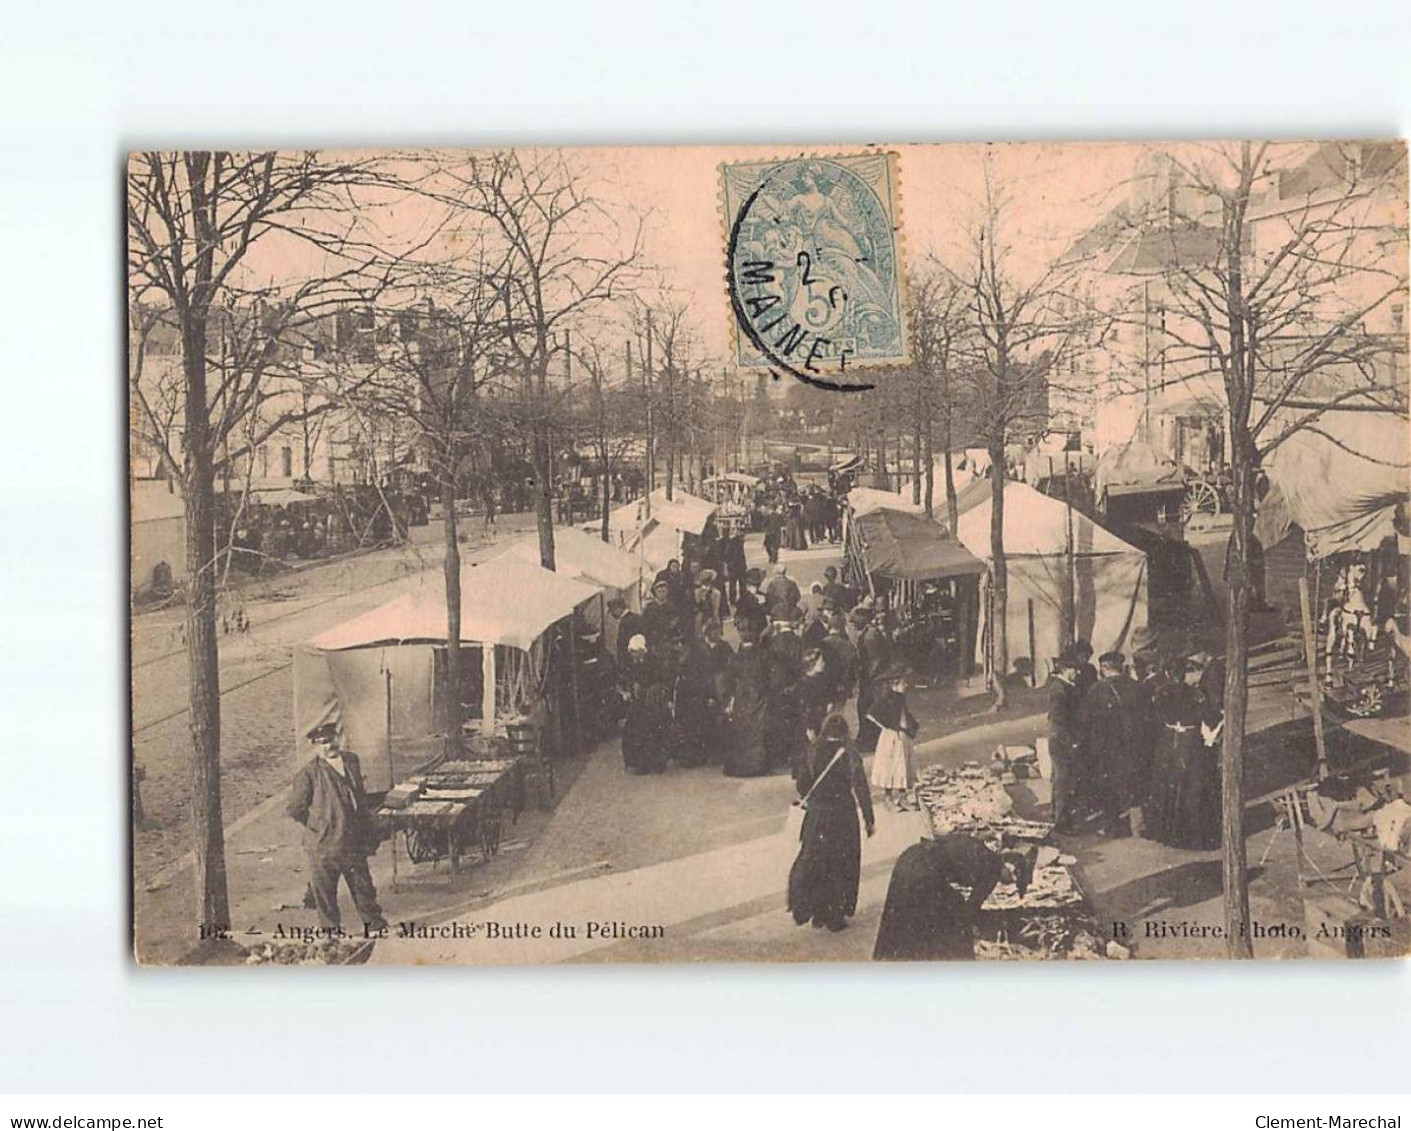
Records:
x=999, y=572
x=1234, y=858
x=452, y=568
x=916, y=462
x=928, y=453
x=540, y=457
x=202, y=651
x=543, y=494
x=952, y=504
x=607, y=492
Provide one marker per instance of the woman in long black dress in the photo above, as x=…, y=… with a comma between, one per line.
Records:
x=648, y=716
x=824, y=879
x=1176, y=799
x=747, y=751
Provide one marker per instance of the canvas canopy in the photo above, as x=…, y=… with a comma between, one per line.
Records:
x=1108, y=577
x=502, y=602
x=1341, y=479
x=656, y=540
x=912, y=547
x=1134, y=466
x=376, y=675
x=583, y=557
x=865, y=500
x=737, y=477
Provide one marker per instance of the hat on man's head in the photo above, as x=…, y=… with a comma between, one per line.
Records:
x=323, y=732
x=831, y=572
x=1111, y=660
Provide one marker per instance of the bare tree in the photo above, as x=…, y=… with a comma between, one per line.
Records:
x=441, y=355
x=547, y=229
x=612, y=422
x=193, y=220
x=1017, y=331
x=1304, y=256
x=938, y=312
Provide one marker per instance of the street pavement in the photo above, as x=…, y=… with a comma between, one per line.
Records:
x=257, y=678
x=699, y=857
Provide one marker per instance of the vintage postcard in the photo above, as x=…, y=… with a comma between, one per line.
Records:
x=770, y=554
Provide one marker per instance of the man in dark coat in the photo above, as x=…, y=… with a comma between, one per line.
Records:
x=839, y=657
x=781, y=595
x=661, y=621
x=329, y=800
x=628, y=624
x=834, y=590
x=924, y=916
x=1063, y=733
x=1108, y=730
x=735, y=568
x=1084, y=674
x=773, y=532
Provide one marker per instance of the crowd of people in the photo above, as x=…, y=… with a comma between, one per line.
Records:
x=691, y=697
x=795, y=518
x=1135, y=747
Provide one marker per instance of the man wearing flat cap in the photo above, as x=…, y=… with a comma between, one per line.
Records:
x=1063, y=734
x=1109, y=736
x=329, y=800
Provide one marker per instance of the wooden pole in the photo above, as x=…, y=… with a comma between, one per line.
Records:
x=1315, y=691
x=1033, y=649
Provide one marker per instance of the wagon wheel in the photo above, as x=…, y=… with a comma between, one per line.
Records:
x=1370, y=701
x=1200, y=503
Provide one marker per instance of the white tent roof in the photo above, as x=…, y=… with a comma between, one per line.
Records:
x=581, y=556
x=1034, y=524
x=683, y=512
x=505, y=601
x=865, y=500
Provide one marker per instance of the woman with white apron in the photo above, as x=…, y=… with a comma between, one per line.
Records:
x=894, y=764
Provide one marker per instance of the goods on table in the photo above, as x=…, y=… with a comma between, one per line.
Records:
x=1049, y=920
x=962, y=800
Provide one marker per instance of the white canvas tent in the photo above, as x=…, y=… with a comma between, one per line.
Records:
x=585, y=557
x=1109, y=577
x=382, y=665
x=1341, y=480
x=865, y=500
x=656, y=540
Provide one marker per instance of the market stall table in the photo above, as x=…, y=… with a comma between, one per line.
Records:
x=1051, y=917
x=453, y=807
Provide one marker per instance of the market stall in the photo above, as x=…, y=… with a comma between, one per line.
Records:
x=1344, y=484
x=652, y=529
x=381, y=675
x=1057, y=559
x=1038, y=909
x=733, y=495
x=929, y=582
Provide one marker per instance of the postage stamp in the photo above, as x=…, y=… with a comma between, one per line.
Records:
x=812, y=264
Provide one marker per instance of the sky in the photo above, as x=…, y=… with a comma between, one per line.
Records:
x=1054, y=192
